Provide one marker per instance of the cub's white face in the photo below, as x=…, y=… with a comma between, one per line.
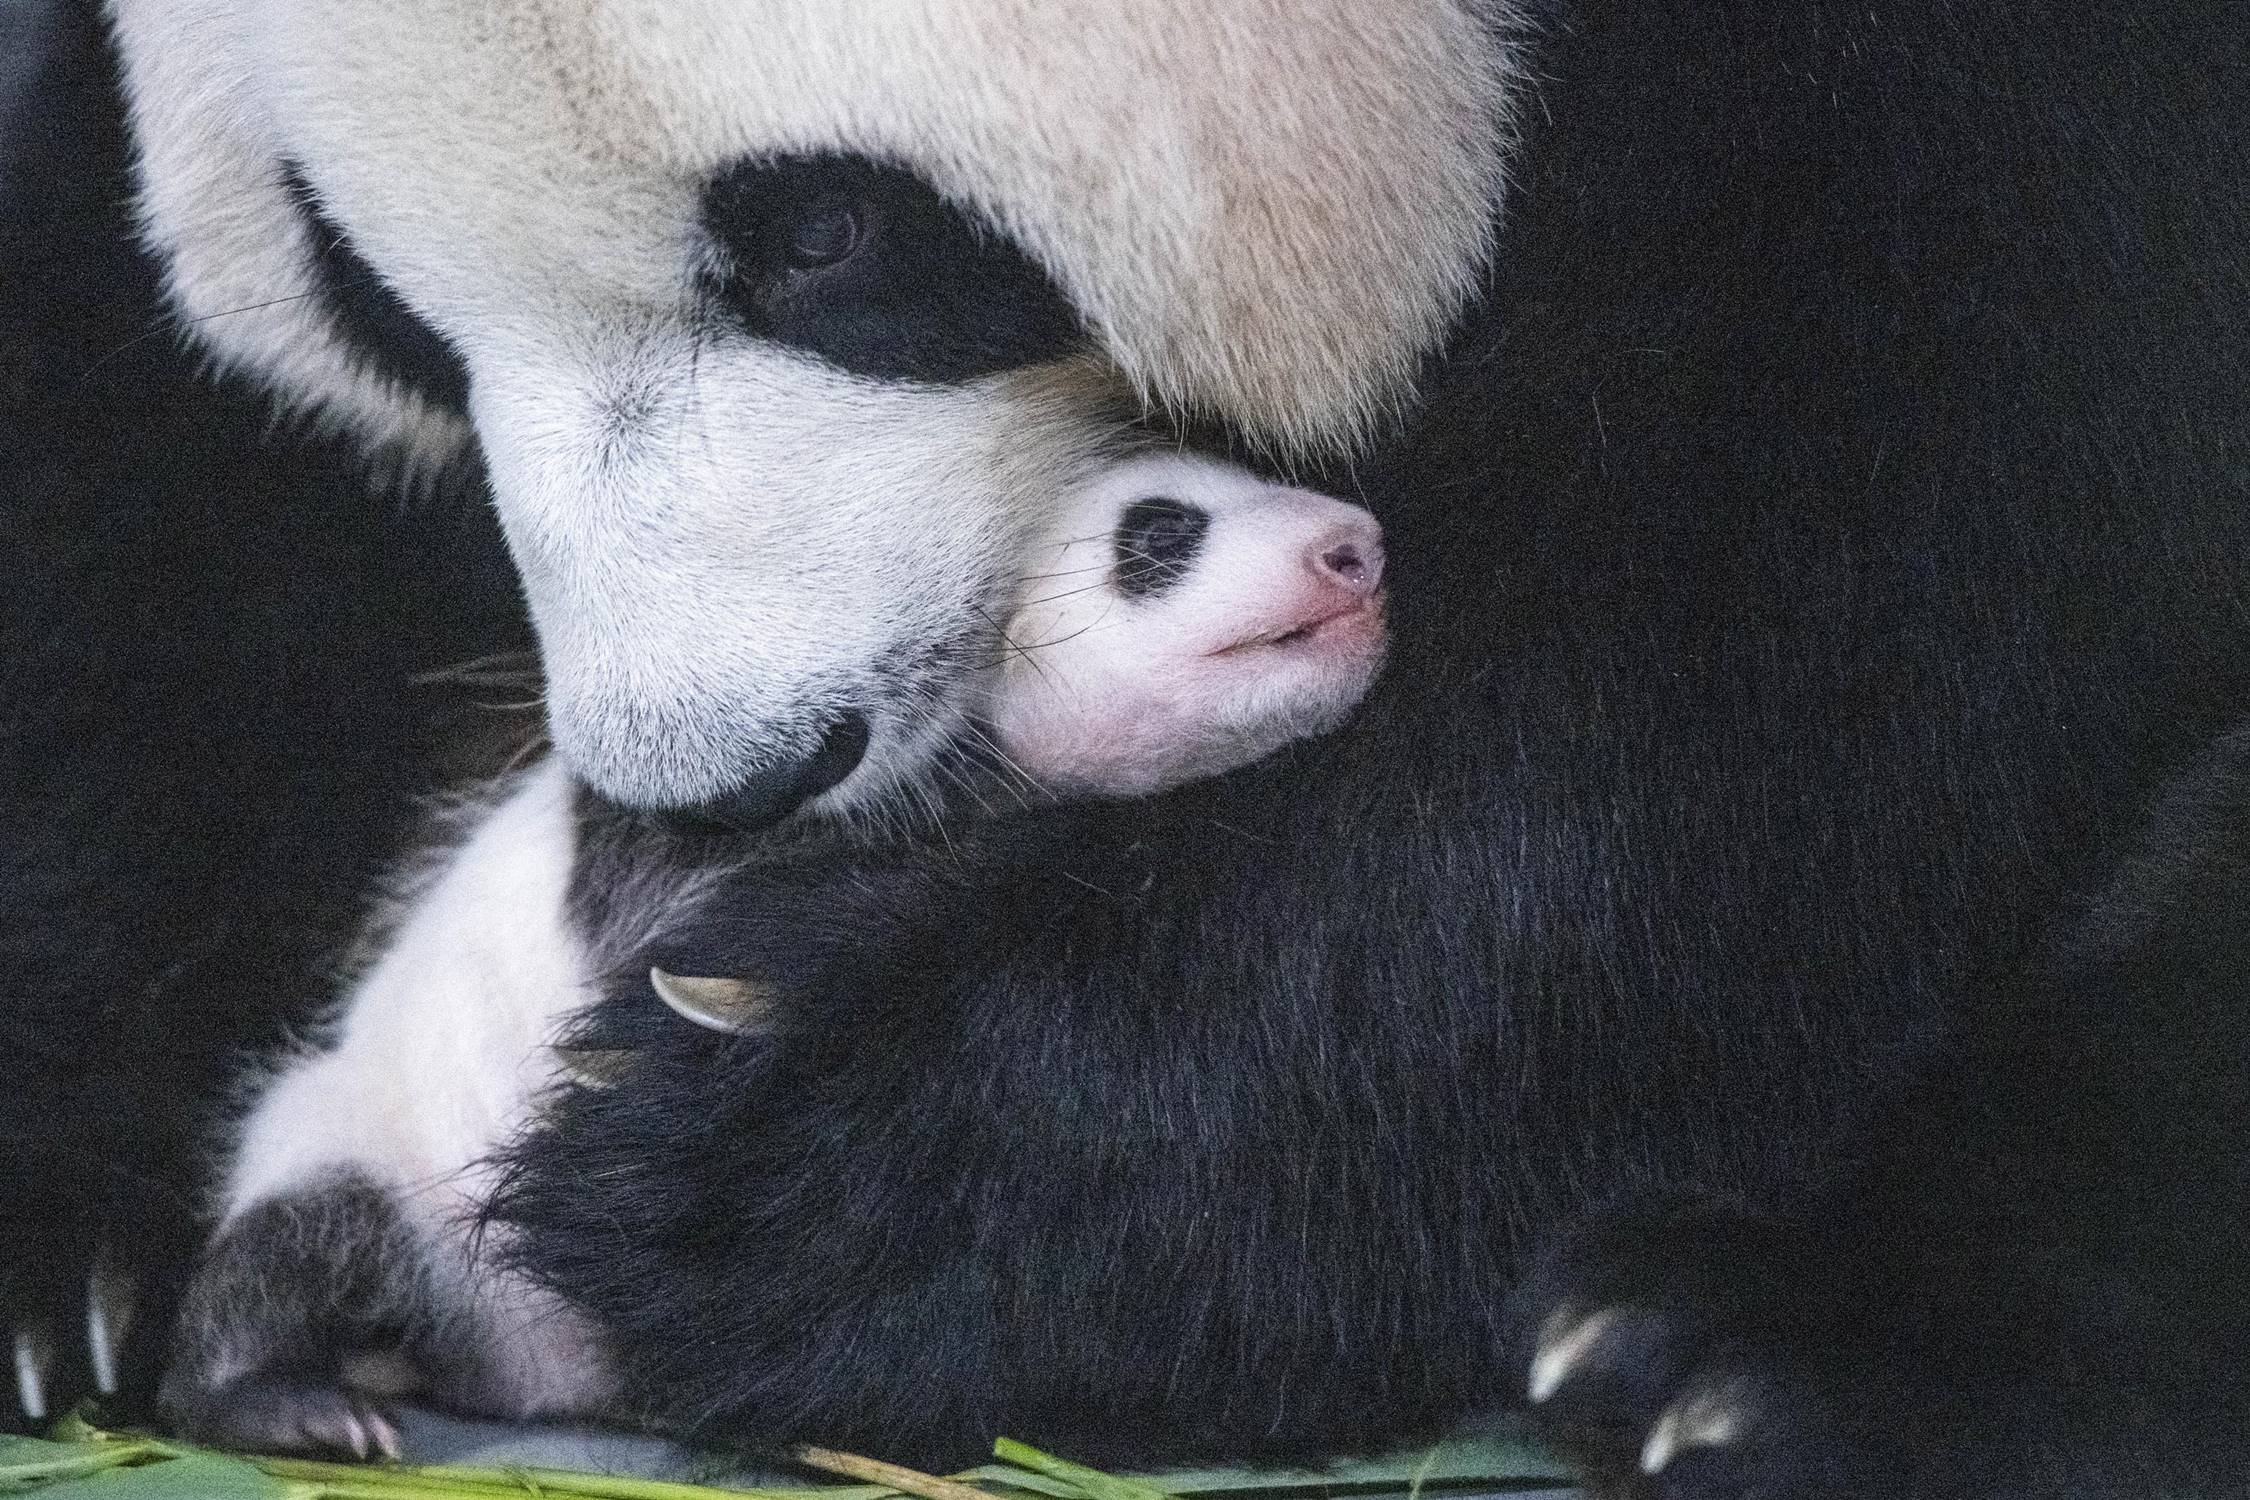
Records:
x=777, y=324
x=1180, y=617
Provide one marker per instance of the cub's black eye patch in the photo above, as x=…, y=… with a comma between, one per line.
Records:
x=390, y=337
x=869, y=268
x=1155, y=541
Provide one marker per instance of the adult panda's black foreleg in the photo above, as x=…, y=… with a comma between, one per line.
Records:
x=2033, y=1285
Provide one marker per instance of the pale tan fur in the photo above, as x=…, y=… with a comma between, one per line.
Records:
x=1267, y=208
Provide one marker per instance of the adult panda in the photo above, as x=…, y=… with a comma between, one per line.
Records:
x=816, y=318
x=1821, y=538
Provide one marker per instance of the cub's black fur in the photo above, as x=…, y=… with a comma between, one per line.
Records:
x=330, y=1268
x=213, y=718
x=1820, y=546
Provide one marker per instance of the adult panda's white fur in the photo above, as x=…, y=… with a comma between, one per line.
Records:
x=1176, y=616
x=1264, y=213
x=1291, y=200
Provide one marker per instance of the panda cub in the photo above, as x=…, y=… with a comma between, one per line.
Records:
x=1177, y=617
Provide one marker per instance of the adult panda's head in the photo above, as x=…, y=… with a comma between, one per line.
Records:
x=773, y=319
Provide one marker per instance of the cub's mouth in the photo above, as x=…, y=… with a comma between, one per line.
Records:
x=1360, y=621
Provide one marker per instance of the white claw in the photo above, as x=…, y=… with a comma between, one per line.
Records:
x=109, y=1313
x=1708, y=1419
x=1563, y=1345
x=33, y=1354
x=382, y=1437
x=721, y=1004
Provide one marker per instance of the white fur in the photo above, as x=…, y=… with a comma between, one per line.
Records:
x=445, y=1043
x=1267, y=210
x=442, y=1050
x=698, y=538
x=441, y=1035
x=1106, y=693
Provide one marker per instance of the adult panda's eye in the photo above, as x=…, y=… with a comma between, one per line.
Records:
x=867, y=266
x=1155, y=541
x=828, y=233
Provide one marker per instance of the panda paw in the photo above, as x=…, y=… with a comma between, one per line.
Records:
x=1688, y=1353
x=67, y=1343
x=284, y=1415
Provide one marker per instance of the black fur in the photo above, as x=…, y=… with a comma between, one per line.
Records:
x=2030, y=1282
x=1825, y=538
x=282, y=1296
x=214, y=718
x=1156, y=542
x=386, y=333
x=924, y=292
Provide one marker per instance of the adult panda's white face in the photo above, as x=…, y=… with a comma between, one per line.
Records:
x=776, y=323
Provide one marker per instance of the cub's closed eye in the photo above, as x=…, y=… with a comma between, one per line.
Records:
x=1155, y=541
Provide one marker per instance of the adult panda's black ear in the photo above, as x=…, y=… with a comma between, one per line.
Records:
x=382, y=331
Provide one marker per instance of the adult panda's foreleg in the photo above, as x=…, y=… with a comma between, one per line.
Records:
x=2031, y=1284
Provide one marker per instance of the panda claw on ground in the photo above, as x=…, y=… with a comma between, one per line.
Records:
x=33, y=1353
x=1679, y=1354
x=68, y=1348
x=1567, y=1337
x=294, y=1416
x=1713, y=1417
x=110, y=1294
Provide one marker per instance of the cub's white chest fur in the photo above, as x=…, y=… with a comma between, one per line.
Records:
x=443, y=1041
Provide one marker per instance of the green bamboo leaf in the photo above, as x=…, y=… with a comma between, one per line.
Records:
x=1096, y=1484
x=29, y=1461
x=1013, y=1478
x=198, y=1476
x=82, y=1462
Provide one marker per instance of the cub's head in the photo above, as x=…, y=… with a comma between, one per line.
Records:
x=1179, y=617
x=775, y=325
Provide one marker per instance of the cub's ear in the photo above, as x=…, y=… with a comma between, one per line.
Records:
x=729, y=1005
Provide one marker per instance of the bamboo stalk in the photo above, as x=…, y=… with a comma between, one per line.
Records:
x=875, y=1471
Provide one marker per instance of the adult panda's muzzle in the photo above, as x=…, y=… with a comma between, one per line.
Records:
x=768, y=795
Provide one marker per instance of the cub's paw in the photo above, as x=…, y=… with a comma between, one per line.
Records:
x=1689, y=1353
x=284, y=1415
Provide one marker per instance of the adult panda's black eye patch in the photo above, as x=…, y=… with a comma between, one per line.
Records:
x=381, y=329
x=869, y=268
x=1155, y=541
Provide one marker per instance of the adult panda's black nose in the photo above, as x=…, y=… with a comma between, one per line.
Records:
x=780, y=789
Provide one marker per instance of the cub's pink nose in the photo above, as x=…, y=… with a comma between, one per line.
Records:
x=1349, y=555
